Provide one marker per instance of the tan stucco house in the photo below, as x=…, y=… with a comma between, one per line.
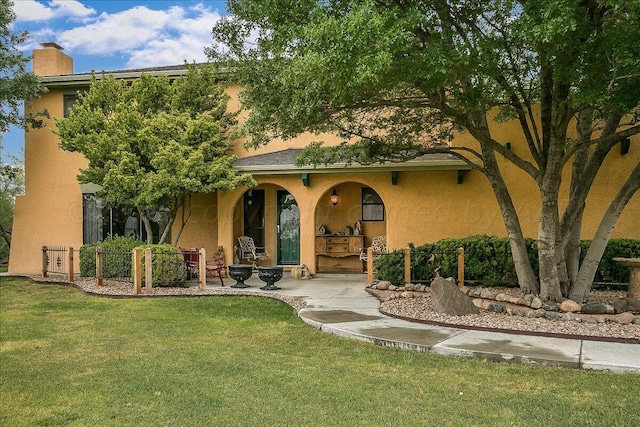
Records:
x=419, y=201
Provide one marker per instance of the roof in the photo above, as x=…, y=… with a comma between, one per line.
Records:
x=283, y=163
x=131, y=74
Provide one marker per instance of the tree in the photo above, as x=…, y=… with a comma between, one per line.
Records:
x=17, y=86
x=153, y=143
x=396, y=79
x=11, y=184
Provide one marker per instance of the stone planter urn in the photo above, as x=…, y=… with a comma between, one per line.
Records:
x=270, y=275
x=633, y=264
x=240, y=273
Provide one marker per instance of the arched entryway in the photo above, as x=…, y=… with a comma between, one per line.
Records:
x=341, y=210
x=269, y=214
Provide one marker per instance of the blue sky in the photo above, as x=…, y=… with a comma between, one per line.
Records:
x=116, y=34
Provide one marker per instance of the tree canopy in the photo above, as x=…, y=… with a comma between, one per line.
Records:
x=153, y=143
x=398, y=79
x=17, y=85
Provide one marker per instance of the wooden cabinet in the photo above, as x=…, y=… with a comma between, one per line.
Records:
x=338, y=246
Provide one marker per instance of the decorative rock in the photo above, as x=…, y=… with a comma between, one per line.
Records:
x=523, y=301
x=408, y=287
x=528, y=298
x=536, y=313
x=422, y=288
x=392, y=287
x=610, y=309
x=502, y=297
x=400, y=288
x=514, y=300
x=593, y=308
x=552, y=315
x=570, y=306
x=633, y=305
x=519, y=312
x=569, y=316
x=590, y=320
x=475, y=293
x=448, y=299
x=601, y=319
x=497, y=307
x=636, y=321
x=406, y=294
x=383, y=285
x=620, y=306
x=536, y=303
x=477, y=302
x=488, y=293
x=550, y=306
x=623, y=318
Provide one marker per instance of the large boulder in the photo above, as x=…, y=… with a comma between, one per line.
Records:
x=448, y=299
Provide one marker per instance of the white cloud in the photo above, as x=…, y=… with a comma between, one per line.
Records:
x=147, y=37
x=141, y=35
x=32, y=10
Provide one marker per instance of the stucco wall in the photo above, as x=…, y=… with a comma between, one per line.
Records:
x=50, y=211
x=422, y=207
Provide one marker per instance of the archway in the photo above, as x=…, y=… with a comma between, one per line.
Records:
x=336, y=218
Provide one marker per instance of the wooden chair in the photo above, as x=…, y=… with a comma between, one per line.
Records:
x=250, y=252
x=378, y=247
x=214, y=265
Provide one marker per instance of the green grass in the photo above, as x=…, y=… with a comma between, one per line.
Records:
x=4, y=268
x=71, y=359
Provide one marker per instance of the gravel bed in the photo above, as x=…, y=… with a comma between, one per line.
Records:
x=117, y=289
x=420, y=308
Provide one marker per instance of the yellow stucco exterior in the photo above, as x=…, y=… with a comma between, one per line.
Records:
x=421, y=206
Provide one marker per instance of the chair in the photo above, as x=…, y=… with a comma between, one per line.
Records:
x=378, y=247
x=214, y=265
x=250, y=252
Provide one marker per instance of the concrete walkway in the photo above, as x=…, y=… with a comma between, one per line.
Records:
x=340, y=305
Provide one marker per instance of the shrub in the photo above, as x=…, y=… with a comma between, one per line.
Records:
x=116, y=260
x=167, y=265
x=609, y=271
x=488, y=260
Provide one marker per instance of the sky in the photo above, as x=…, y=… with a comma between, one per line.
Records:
x=110, y=35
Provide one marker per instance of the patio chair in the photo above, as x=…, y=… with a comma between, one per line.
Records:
x=378, y=247
x=250, y=252
x=214, y=265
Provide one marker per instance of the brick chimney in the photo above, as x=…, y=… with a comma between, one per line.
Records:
x=50, y=61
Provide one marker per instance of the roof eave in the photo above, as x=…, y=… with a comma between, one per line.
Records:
x=427, y=166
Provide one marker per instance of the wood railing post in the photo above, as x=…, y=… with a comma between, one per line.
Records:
x=202, y=268
x=407, y=266
x=370, y=265
x=137, y=270
x=70, y=259
x=45, y=258
x=99, y=260
x=148, y=270
x=460, y=267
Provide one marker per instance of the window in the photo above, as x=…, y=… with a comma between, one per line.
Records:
x=372, y=206
x=99, y=221
x=68, y=103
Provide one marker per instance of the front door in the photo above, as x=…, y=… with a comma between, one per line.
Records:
x=288, y=229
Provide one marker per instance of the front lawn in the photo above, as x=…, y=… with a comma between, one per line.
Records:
x=71, y=359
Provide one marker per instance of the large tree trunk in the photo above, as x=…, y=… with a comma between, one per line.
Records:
x=547, y=255
x=526, y=277
x=589, y=266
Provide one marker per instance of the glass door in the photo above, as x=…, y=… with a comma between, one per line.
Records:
x=288, y=229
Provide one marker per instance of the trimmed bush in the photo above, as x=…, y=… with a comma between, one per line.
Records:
x=117, y=257
x=488, y=260
x=167, y=265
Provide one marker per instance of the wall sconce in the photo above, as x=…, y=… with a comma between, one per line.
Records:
x=334, y=198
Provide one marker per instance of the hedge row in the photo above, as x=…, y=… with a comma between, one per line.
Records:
x=168, y=265
x=488, y=260
x=117, y=257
